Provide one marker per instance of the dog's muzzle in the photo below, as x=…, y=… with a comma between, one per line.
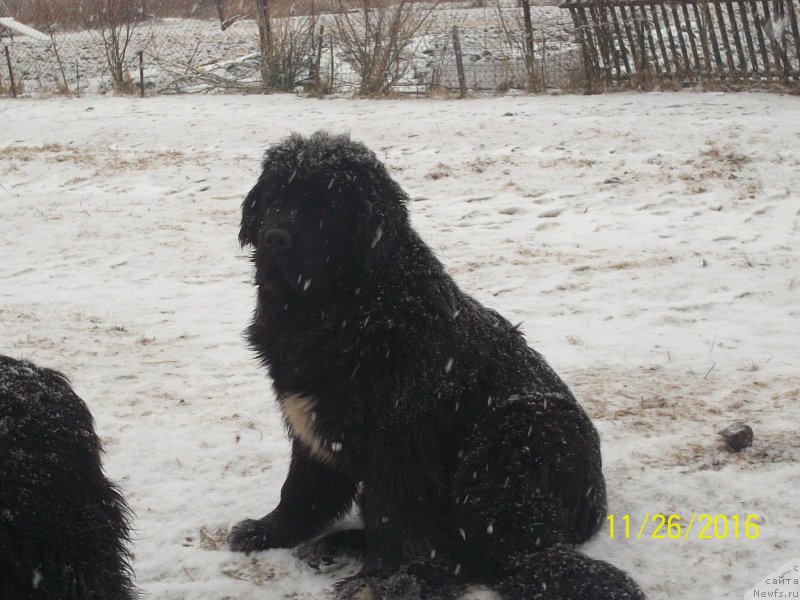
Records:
x=277, y=240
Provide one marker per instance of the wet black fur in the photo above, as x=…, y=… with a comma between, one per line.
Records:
x=468, y=456
x=63, y=526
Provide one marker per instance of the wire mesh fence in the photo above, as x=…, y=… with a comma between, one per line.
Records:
x=573, y=47
x=181, y=55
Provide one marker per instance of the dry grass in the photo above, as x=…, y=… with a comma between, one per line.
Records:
x=440, y=171
x=656, y=402
x=106, y=158
x=714, y=163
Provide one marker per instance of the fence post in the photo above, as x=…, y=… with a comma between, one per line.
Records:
x=333, y=67
x=462, y=80
x=530, y=59
x=644, y=67
x=11, y=73
x=265, y=41
x=141, y=73
x=317, y=70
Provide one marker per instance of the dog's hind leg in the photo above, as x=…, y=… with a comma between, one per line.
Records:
x=562, y=573
x=530, y=486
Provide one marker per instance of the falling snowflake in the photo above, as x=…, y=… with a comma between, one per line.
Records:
x=377, y=238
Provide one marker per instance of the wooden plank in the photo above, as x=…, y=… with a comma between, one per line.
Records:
x=627, y=22
x=591, y=66
x=610, y=37
x=650, y=42
x=760, y=37
x=737, y=38
x=601, y=39
x=748, y=37
x=795, y=32
x=673, y=48
x=679, y=29
x=723, y=32
x=660, y=37
x=711, y=34
x=640, y=45
x=702, y=28
x=623, y=50
x=697, y=62
x=589, y=33
x=780, y=65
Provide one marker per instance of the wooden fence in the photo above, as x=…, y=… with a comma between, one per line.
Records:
x=684, y=41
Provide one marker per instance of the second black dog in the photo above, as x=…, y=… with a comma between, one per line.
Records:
x=468, y=456
x=63, y=525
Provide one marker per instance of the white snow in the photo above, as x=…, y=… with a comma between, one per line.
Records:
x=649, y=243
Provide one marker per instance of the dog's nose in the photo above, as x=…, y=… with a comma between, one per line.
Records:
x=278, y=239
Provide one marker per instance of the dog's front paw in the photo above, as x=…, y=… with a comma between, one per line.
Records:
x=249, y=536
x=273, y=531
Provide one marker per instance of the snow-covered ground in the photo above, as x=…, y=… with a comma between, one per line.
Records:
x=649, y=243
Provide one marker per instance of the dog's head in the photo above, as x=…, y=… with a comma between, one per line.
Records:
x=322, y=215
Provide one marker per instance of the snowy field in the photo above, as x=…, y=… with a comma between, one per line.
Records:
x=649, y=243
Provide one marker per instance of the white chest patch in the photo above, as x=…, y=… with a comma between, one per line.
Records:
x=300, y=416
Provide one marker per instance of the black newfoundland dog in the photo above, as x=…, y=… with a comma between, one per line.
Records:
x=469, y=458
x=63, y=526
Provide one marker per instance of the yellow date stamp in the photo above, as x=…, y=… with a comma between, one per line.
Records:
x=700, y=526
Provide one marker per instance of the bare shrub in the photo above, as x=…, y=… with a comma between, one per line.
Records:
x=287, y=45
x=287, y=63
x=48, y=22
x=518, y=41
x=377, y=40
x=292, y=62
x=114, y=21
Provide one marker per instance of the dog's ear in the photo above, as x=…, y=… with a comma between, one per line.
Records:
x=383, y=218
x=251, y=214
